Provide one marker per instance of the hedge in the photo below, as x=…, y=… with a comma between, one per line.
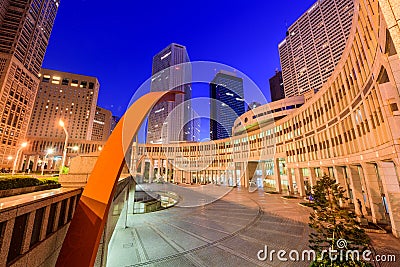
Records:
x=12, y=183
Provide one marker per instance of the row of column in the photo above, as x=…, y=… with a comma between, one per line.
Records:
x=373, y=188
x=240, y=175
x=25, y=161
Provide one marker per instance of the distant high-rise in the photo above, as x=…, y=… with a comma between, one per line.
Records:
x=101, y=124
x=314, y=44
x=66, y=96
x=114, y=122
x=253, y=105
x=169, y=121
x=195, y=125
x=25, y=28
x=276, y=87
x=227, y=103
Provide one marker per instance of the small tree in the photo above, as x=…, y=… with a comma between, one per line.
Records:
x=65, y=170
x=331, y=222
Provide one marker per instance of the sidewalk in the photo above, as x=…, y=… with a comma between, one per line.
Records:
x=215, y=228
x=384, y=244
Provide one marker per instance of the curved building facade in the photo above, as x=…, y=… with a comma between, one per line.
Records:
x=266, y=114
x=349, y=129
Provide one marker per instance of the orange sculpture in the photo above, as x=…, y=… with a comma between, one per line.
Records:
x=83, y=237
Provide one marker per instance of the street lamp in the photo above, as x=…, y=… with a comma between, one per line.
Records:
x=48, y=152
x=23, y=145
x=62, y=124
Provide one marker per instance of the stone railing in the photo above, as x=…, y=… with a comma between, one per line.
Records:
x=33, y=226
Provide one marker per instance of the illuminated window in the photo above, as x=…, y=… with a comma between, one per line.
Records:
x=74, y=83
x=65, y=81
x=166, y=55
x=46, y=78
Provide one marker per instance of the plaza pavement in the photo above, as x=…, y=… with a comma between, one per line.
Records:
x=228, y=231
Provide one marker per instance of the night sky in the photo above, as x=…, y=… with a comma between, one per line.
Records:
x=116, y=40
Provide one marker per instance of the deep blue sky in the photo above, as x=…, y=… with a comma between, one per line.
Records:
x=116, y=40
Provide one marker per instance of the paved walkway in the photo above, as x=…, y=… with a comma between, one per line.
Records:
x=227, y=232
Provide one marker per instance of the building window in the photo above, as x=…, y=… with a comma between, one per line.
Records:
x=65, y=81
x=394, y=107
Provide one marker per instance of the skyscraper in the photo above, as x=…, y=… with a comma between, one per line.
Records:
x=253, y=105
x=194, y=126
x=114, y=122
x=276, y=87
x=314, y=44
x=66, y=96
x=25, y=28
x=168, y=121
x=227, y=103
x=101, y=124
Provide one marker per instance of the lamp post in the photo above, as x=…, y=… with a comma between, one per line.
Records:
x=73, y=148
x=48, y=152
x=23, y=145
x=62, y=124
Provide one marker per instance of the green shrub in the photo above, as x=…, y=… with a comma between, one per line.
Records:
x=65, y=170
x=13, y=183
x=48, y=181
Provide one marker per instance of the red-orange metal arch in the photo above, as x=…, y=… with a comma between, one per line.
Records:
x=83, y=237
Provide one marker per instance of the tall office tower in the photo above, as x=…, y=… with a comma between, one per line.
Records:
x=25, y=28
x=196, y=129
x=168, y=121
x=314, y=44
x=253, y=105
x=195, y=125
x=276, y=87
x=101, y=124
x=227, y=103
x=114, y=122
x=66, y=96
